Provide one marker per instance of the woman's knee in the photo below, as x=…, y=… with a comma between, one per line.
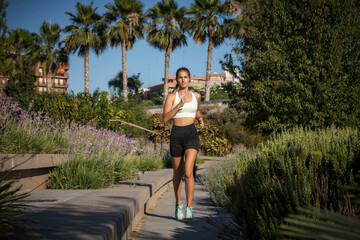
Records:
x=189, y=174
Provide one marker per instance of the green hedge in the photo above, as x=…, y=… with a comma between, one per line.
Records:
x=296, y=168
x=95, y=109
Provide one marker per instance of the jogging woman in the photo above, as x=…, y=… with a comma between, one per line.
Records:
x=183, y=107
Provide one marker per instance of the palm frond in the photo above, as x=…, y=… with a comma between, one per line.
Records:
x=165, y=24
x=11, y=208
x=316, y=223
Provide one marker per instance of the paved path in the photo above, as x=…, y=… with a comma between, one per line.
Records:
x=112, y=213
x=160, y=223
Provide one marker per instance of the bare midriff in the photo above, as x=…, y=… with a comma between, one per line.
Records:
x=183, y=121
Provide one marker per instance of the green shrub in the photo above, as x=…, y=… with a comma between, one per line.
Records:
x=129, y=167
x=229, y=115
x=147, y=103
x=158, y=100
x=217, y=178
x=137, y=116
x=93, y=173
x=218, y=96
x=63, y=107
x=21, y=88
x=212, y=143
x=81, y=108
x=124, y=170
x=130, y=112
x=82, y=174
x=160, y=127
x=297, y=168
x=94, y=109
x=148, y=162
x=199, y=160
x=236, y=133
x=152, y=102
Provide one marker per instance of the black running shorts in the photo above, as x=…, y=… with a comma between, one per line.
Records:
x=182, y=138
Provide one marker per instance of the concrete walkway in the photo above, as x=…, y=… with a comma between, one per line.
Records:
x=115, y=212
x=160, y=223
x=109, y=213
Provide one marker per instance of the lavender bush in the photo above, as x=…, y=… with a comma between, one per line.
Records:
x=216, y=178
x=219, y=176
x=23, y=132
x=94, y=153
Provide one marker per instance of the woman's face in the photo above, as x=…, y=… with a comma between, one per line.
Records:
x=183, y=79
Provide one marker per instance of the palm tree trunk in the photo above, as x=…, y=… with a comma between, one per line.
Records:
x=49, y=79
x=125, y=91
x=167, y=63
x=208, y=69
x=49, y=83
x=45, y=77
x=86, y=70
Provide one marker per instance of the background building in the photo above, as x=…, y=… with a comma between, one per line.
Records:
x=59, y=80
x=195, y=82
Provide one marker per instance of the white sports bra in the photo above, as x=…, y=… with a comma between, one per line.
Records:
x=188, y=109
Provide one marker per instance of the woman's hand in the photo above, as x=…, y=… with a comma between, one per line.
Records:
x=186, y=98
x=201, y=122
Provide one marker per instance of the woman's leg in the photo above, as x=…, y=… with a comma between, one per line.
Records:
x=178, y=163
x=190, y=155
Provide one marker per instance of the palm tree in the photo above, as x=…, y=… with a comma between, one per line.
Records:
x=3, y=31
x=234, y=27
x=134, y=83
x=19, y=67
x=165, y=31
x=84, y=34
x=48, y=51
x=18, y=42
x=127, y=27
x=206, y=23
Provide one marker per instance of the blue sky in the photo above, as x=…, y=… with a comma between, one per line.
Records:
x=143, y=59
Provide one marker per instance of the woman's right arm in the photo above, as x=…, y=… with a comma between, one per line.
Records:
x=169, y=113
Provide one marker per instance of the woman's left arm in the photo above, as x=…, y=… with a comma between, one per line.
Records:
x=198, y=113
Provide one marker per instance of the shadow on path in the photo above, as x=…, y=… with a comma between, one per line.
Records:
x=210, y=222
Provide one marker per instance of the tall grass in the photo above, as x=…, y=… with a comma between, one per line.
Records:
x=78, y=173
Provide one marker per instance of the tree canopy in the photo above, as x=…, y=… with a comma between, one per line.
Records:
x=127, y=26
x=84, y=35
x=3, y=30
x=133, y=83
x=300, y=62
x=165, y=31
x=206, y=23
